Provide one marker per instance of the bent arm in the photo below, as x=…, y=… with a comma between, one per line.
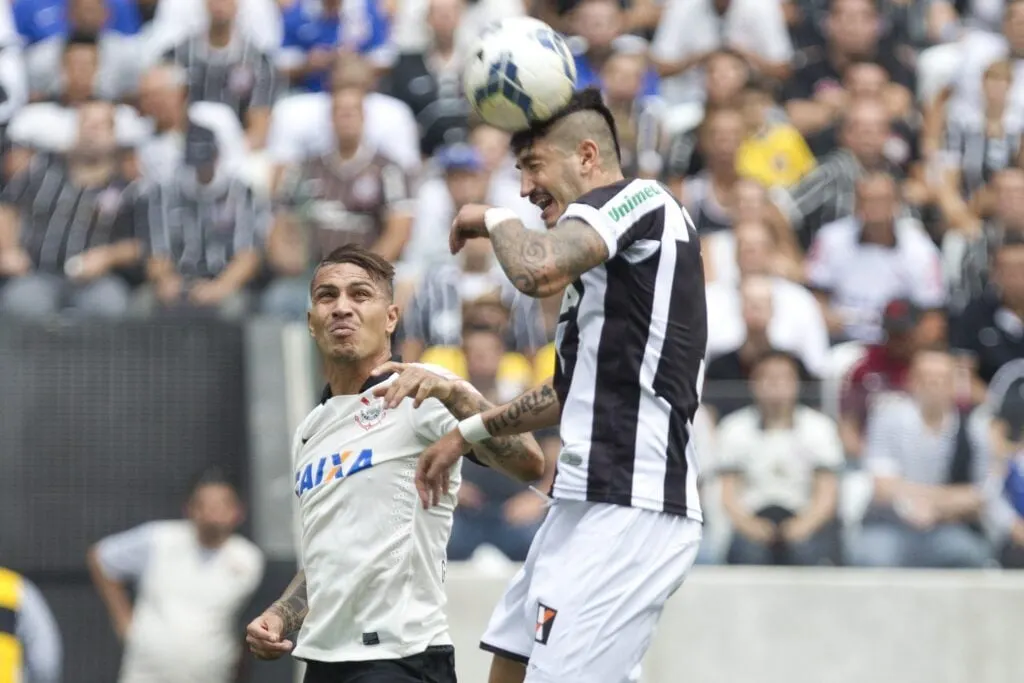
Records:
x=536, y=409
x=113, y=593
x=541, y=264
x=517, y=455
x=293, y=605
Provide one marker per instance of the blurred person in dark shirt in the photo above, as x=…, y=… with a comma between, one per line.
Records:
x=815, y=96
x=430, y=81
x=206, y=232
x=929, y=463
x=226, y=66
x=69, y=227
x=492, y=508
x=778, y=463
x=882, y=369
x=710, y=195
x=354, y=194
x=989, y=333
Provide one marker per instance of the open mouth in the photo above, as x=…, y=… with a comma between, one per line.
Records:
x=546, y=204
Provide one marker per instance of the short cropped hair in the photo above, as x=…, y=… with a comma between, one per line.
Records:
x=377, y=267
x=212, y=476
x=583, y=101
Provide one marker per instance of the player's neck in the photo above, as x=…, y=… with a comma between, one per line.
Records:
x=603, y=178
x=346, y=378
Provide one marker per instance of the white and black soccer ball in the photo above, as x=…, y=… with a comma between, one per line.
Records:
x=520, y=71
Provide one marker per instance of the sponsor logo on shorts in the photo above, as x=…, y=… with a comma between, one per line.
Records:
x=545, y=620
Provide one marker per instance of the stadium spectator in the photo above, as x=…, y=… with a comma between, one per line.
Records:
x=430, y=81
x=778, y=464
x=929, y=463
x=301, y=128
x=1006, y=509
x=493, y=509
x=828, y=192
x=463, y=180
x=638, y=116
x=116, y=69
x=206, y=228
x=815, y=97
x=314, y=33
x=773, y=152
x=990, y=331
x=968, y=249
x=796, y=325
x=727, y=373
x=37, y=20
x=30, y=642
x=859, y=264
x=226, y=66
x=882, y=369
x=353, y=194
x=192, y=579
x=434, y=316
x=753, y=29
x=68, y=227
x=709, y=196
x=599, y=27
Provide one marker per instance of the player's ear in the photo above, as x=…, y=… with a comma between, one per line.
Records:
x=309, y=323
x=589, y=155
x=392, y=319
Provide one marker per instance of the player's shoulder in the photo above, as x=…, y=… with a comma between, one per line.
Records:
x=627, y=189
x=242, y=548
x=744, y=422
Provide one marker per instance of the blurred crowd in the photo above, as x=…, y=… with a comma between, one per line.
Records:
x=854, y=169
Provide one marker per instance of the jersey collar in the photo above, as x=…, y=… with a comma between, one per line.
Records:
x=373, y=381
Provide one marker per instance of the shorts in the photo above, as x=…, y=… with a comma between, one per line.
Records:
x=435, y=665
x=584, y=606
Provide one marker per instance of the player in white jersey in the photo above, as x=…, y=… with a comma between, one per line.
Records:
x=370, y=598
x=625, y=522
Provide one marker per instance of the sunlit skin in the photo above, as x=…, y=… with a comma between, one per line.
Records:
x=551, y=179
x=351, y=320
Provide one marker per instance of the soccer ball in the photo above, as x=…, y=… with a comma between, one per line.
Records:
x=519, y=72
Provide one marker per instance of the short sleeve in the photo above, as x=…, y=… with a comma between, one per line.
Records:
x=618, y=219
x=40, y=636
x=828, y=448
x=881, y=449
x=927, y=282
x=821, y=270
x=432, y=420
x=731, y=440
x=397, y=194
x=265, y=90
x=124, y=556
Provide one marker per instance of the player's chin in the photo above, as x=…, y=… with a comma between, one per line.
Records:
x=550, y=214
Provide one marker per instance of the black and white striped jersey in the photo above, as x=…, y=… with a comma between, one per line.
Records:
x=630, y=343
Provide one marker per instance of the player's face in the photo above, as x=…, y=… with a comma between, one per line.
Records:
x=549, y=179
x=215, y=511
x=351, y=316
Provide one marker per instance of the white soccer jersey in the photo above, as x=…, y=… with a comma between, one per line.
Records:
x=374, y=558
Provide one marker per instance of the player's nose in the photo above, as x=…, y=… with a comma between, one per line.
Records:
x=526, y=186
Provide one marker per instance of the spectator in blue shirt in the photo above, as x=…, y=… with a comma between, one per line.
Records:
x=37, y=20
x=599, y=26
x=315, y=29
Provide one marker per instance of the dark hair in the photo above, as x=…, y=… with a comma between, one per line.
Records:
x=589, y=99
x=778, y=354
x=377, y=267
x=212, y=476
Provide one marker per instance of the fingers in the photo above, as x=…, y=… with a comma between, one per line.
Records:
x=422, y=487
x=424, y=392
x=388, y=368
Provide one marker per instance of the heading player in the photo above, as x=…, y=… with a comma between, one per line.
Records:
x=625, y=524
x=370, y=599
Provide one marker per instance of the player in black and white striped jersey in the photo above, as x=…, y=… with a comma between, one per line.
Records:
x=625, y=521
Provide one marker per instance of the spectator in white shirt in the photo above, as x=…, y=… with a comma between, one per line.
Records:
x=692, y=29
x=193, y=579
x=859, y=264
x=778, y=463
x=797, y=324
x=929, y=462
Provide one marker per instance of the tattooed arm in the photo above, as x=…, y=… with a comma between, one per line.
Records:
x=293, y=605
x=517, y=455
x=540, y=264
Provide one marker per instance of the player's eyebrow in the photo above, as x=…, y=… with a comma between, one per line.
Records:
x=525, y=159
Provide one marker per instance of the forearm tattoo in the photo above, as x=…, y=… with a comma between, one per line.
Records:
x=293, y=605
x=530, y=404
x=465, y=403
x=537, y=263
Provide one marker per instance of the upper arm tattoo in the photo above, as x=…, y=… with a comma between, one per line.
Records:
x=539, y=264
x=503, y=449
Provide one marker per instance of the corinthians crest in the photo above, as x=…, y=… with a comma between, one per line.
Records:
x=372, y=413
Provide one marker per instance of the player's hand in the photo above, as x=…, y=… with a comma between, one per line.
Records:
x=265, y=637
x=435, y=465
x=414, y=381
x=468, y=223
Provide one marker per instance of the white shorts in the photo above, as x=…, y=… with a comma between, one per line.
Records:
x=585, y=604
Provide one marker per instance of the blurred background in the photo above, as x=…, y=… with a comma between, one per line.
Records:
x=172, y=169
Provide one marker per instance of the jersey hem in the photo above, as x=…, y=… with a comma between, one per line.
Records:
x=369, y=654
x=640, y=503
x=506, y=654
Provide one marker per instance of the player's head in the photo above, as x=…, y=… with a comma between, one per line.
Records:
x=214, y=507
x=352, y=313
x=568, y=155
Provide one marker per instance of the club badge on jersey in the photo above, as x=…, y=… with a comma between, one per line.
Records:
x=372, y=414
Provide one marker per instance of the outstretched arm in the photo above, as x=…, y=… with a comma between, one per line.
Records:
x=536, y=409
x=539, y=264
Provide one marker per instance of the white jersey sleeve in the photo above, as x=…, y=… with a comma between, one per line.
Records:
x=432, y=420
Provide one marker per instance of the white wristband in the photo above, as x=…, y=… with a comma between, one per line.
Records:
x=498, y=215
x=473, y=429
